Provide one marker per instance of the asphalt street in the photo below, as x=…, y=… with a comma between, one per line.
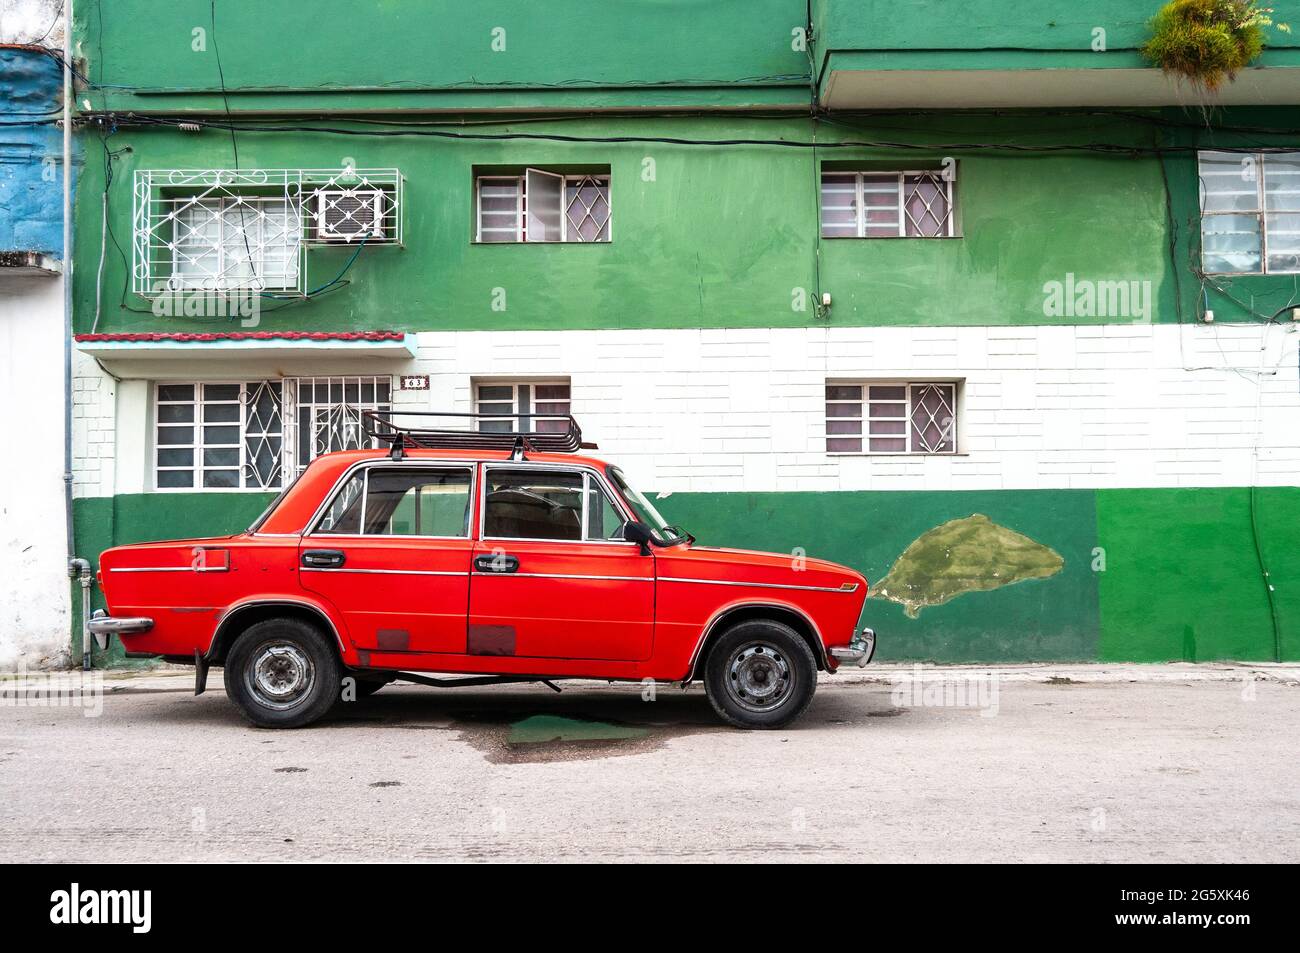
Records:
x=1146, y=763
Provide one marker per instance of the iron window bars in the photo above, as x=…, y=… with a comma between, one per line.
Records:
x=250, y=434
x=217, y=231
x=541, y=206
x=385, y=427
x=1250, y=212
x=891, y=417
x=887, y=205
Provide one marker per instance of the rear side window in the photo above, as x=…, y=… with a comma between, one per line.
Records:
x=403, y=501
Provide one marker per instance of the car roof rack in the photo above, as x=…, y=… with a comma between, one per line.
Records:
x=465, y=432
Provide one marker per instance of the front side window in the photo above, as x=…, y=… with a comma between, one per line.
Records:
x=540, y=504
x=518, y=403
x=401, y=501
x=1250, y=212
x=540, y=206
x=887, y=204
x=219, y=435
x=645, y=511
x=891, y=417
x=235, y=242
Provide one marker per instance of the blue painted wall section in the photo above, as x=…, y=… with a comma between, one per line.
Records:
x=31, y=155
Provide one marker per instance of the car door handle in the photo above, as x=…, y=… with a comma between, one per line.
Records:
x=496, y=562
x=323, y=558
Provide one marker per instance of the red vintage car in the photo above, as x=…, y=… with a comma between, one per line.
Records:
x=496, y=556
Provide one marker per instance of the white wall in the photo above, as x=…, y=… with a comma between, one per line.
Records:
x=1044, y=407
x=35, y=614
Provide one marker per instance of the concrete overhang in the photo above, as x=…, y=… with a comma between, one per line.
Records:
x=846, y=86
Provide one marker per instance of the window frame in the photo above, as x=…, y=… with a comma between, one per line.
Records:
x=864, y=407
x=292, y=429
x=197, y=467
x=588, y=473
x=521, y=206
x=514, y=383
x=364, y=467
x=1260, y=211
x=860, y=176
x=222, y=283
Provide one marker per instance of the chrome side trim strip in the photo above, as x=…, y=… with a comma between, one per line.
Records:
x=387, y=572
x=152, y=569
x=847, y=587
x=565, y=575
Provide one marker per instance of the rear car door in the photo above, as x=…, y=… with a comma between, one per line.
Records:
x=392, y=552
x=552, y=576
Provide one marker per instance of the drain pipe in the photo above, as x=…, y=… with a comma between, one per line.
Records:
x=77, y=568
x=81, y=569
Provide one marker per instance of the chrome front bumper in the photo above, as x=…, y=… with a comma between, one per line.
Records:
x=102, y=625
x=859, y=651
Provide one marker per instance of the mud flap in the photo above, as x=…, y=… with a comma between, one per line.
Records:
x=200, y=673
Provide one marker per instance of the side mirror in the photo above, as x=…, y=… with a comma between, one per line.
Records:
x=640, y=534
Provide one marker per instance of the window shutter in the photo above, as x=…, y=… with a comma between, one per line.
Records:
x=545, y=197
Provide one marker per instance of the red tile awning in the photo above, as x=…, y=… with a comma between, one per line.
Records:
x=188, y=344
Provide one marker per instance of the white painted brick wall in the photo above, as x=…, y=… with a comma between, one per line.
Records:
x=741, y=409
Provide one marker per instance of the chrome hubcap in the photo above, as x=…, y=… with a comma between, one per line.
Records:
x=759, y=677
x=280, y=675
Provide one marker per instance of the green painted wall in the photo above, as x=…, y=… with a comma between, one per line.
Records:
x=1183, y=580
x=716, y=237
x=1149, y=575
x=993, y=34
x=439, y=54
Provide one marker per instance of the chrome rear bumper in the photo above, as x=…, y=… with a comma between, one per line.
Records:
x=859, y=651
x=102, y=625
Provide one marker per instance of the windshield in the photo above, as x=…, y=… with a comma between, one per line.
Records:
x=664, y=531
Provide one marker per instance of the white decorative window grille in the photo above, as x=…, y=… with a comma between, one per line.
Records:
x=1250, y=212
x=887, y=204
x=222, y=230
x=326, y=413
x=540, y=206
x=517, y=400
x=891, y=417
x=249, y=435
x=219, y=435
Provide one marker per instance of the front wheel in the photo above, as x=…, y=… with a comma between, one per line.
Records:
x=282, y=673
x=760, y=674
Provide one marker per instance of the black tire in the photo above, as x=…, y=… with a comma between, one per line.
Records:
x=283, y=673
x=760, y=674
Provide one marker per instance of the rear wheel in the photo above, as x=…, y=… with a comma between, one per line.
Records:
x=282, y=673
x=760, y=674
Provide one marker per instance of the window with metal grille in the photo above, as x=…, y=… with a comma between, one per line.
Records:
x=540, y=206
x=517, y=401
x=325, y=413
x=887, y=204
x=1250, y=212
x=220, y=244
x=219, y=435
x=891, y=417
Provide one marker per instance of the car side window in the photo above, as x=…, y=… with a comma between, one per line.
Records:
x=533, y=504
x=403, y=501
x=603, y=520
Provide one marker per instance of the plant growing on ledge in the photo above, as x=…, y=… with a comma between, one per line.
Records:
x=1208, y=41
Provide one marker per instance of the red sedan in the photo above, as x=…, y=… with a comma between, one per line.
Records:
x=494, y=556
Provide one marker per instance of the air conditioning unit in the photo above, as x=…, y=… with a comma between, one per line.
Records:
x=349, y=215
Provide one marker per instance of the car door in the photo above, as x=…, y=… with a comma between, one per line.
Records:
x=392, y=552
x=552, y=576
